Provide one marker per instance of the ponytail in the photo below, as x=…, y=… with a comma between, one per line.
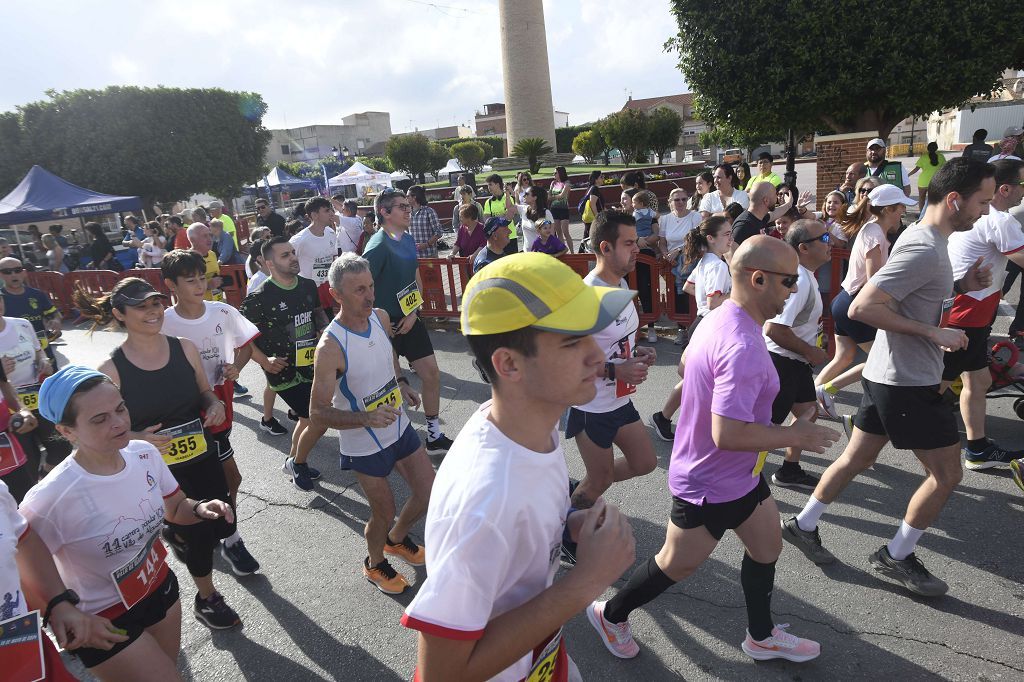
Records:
x=933, y=155
x=696, y=242
x=96, y=308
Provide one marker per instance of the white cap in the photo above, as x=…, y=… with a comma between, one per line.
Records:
x=215, y=204
x=889, y=195
x=1013, y=131
x=879, y=141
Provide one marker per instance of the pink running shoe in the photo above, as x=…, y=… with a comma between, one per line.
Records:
x=781, y=645
x=617, y=637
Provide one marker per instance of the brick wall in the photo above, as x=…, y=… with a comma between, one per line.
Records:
x=835, y=153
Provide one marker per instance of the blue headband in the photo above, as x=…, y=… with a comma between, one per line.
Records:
x=57, y=390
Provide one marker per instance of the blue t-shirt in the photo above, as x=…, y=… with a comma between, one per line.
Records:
x=483, y=258
x=393, y=265
x=644, y=220
x=32, y=305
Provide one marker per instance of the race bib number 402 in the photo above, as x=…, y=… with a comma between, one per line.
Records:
x=409, y=299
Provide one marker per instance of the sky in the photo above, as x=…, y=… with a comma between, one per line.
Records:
x=315, y=61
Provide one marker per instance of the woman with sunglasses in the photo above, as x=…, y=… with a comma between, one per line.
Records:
x=869, y=226
x=533, y=212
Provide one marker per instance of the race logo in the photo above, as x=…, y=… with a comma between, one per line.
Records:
x=150, y=481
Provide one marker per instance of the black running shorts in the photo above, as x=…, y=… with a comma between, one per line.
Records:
x=796, y=385
x=913, y=417
x=721, y=516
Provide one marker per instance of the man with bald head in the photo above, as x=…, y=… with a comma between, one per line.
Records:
x=715, y=472
x=201, y=238
x=854, y=172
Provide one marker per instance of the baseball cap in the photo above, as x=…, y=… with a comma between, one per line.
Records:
x=135, y=293
x=493, y=223
x=889, y=195
x=215, y=204
x=1013, y=131
x=877, y=140
x=536, y=290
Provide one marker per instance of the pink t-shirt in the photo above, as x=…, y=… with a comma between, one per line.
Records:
x=727, y=368
x=869, y=236
x=468, y=242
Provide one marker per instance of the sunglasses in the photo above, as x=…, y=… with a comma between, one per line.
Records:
x=863, y=190
x=788, y=280
x=11, y=271
x=824, y=239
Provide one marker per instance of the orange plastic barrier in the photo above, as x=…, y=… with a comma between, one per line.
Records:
x=151, y=275
x=233, y=284
x=54, y=284
x=443, y=282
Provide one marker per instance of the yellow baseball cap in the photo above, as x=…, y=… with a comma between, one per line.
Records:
x=537, y=290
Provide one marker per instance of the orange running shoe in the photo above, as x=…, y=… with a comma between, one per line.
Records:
x=407, y=550
x=386, y=578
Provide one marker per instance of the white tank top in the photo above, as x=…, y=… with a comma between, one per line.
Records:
x=368, y=382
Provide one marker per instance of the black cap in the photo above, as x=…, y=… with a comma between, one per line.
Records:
x=134, y=294
x=493, y=223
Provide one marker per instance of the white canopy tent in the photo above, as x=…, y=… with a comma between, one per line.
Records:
x=363, y=177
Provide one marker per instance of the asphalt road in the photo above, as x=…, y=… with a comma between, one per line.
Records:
x=310, y=615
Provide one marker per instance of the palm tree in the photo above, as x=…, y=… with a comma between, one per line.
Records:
x=532, y=148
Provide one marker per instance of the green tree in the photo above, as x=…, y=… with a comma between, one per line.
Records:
x=625, y=130
x=663, y=129
x=439, y=156
x=564, y=136
x=411, y=154
x=470, y=155
x=495, y=146
x=589, y=144
x=161, y=144
x=857, y=77
x=532, y=148
x=378, y=163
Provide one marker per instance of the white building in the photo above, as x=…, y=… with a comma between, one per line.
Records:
x=362, y=134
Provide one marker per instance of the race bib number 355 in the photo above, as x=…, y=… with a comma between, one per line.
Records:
x=187, y=442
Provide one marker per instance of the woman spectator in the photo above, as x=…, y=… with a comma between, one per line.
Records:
x=532, y=212
x=927, y=164
x=99, y=513
x=100, y=250
x=742, y=176
x=724, y=194
x=151, y=248
x=709, y=281
x=54, y=254
x=861, y=189
x=471, y=237
x=592, y=202
x=170, y=404
x=674, y=227
x=703, y=184
x=523, y=184
x=464, y=197
x=558, y=193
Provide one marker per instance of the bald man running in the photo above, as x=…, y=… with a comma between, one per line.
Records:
x=715, y=472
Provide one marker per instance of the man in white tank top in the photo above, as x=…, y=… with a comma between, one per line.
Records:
x=358, y=388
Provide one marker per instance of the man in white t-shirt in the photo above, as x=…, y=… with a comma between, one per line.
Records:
x=995, y=238
x=316, y=247
x=490, y=608
x=350, y=226
x=610, y=417
x=223, y=336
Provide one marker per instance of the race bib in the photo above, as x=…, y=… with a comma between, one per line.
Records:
x=819, y=339
x=761, y=457
x=21, y=648
x=947, y=307
x=44, y=340
x=304, y=352
x=9, y=460
x=218, y=295
x=622, y=389
x=29, y=396
x=409, y=298
x=550, y=664
x=143, y=573
x=187, y=442
x=320, y=270
x=388, y=394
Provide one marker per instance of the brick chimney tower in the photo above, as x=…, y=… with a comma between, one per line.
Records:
x=524, y=59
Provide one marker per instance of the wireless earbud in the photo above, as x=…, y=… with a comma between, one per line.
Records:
x=759, y=280
x=956, y=205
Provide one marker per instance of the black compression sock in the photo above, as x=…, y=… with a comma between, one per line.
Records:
x=758, y=580
x=646, y=583
x=978, y=445
x=790, y=466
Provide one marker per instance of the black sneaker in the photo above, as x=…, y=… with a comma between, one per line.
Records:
x=663, y=427
x=294, y=417
x=176, y=544
x=273, y=427
x=992, y=456
x=807, y=541
x=214, y=613
x=795, y=478
x=439, y=445
x=299, y=473
x=240, y=389
x=242, y=563
x=910, y=572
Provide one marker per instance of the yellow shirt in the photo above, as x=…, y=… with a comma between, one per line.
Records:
x=212, y=270
x=229, y=227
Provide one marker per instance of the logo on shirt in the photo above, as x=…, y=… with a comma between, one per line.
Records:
x=33, y=303
x=150, y=481
x=218, y=330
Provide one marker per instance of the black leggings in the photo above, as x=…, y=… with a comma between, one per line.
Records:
x=202, y=480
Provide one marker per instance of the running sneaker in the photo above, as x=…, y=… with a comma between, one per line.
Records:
x=807, y=541
x=439, y=445
x=652, y=336
x=242, y=563
x=617, y=637
x=847, y=420
x=294, y=417
x=299, y=473
x=826, y=403
x=214, y=612
x=176, y=544
x=910, y=572
x=406, y=550
x=240, y=389
x=781, y=644
x=795, y=478
x=680, y=338
x=273, y=427
x=384, y=577
x=992, y=456
x=1017, y=471
x=663, y=427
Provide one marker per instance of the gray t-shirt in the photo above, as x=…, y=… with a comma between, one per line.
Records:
x=919, y=278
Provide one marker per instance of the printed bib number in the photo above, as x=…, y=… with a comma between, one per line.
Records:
x=761, y=457
x=9, y=460
x=44, y=340
x=622, y=389
x=947, y=308
x=388, y=394
x=136, y=579
x=320, y=270
x=304, y=351
x=21, y=648
x=409, y=299
x=549, y=664
x=187, y=442
x=819, y=339
x=29, y=396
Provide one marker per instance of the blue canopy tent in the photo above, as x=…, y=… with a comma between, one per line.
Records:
x=41, y=195
x=279, y=180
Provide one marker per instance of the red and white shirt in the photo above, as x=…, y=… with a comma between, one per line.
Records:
x=992, y=239
x=710, y=277
x=617, y=341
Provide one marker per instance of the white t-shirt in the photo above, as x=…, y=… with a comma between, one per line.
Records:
x=868, y=237
x=710, y=277
x=493, y=531
x=529, y=227
x=674, y=229
x=315, y=254
x=18, y=340
x=617, y=342
x=12, y=527
x=712, y=201
x=94, y=525
x=349, y=231
x=258, y=278
x=801, y=314
x=992, y=238
x=217, y=334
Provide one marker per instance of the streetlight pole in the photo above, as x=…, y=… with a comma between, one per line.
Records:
x=790, y=174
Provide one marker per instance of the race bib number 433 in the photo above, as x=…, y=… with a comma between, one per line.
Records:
x=187, y=442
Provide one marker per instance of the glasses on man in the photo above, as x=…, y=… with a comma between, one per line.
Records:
x=824, y=239
x=788, y=280
x=11, y=271
x=401, y=207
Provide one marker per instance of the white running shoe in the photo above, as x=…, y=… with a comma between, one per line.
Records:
x=781, y=644
x=617, y=637
x=826, y=404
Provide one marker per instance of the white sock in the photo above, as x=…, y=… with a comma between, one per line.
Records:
x=808, y=519
x=903, y=543
x=235, y=537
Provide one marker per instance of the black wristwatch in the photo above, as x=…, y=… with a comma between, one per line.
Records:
x=69, y=596
x=609, y=371
x=957, y=289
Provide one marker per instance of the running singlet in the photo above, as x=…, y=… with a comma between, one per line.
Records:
x=368, y=383
x=32, y=305
x=287, y=329
x=103, y=531
x=315, y=254
x=617, y=341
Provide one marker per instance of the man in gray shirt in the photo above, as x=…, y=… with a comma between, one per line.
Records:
x=908, y=300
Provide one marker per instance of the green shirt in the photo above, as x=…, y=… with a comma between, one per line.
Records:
x=772, y=177
x=393, y=265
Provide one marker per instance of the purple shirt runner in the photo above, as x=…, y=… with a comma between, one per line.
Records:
x=728, y=373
